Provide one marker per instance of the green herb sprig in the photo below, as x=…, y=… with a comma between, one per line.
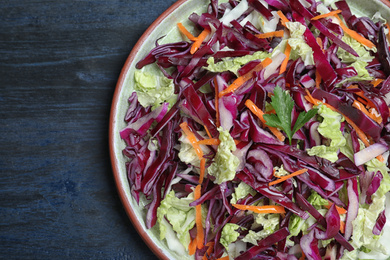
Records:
x=283, y=104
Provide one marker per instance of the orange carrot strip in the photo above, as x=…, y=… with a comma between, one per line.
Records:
x=283, y=178
x=317, y=73
x=361, y=107
x=214, y=141
x=217, y=123
x=211, y=141
x=283, y=18
x=279, y=33
x=376, y=82
x=368, y=102
x=184, y=31
x=261, y=209
x=198, y=219
x=202, y=170
x=273, y=173
x=342, y=226
x=207, y=131
x=363, y=101
x=191, y=137
x=374, y=114
x=195, y=46
x=209, y=250
x=310, y=97
x=270, y=112
x=360, y=93
x=287, y=52
x=259, y=113
x=192, y=247
x=320, y=43
x=318, y=79
x=331, y=13
x=359, y=132
x=354, y=34
x=244, y=78
x=340, y=210
x=380, y=158
x=303, y=256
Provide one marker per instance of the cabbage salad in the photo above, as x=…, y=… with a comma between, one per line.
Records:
x=264, y=132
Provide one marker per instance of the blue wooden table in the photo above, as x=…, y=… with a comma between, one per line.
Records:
x=59, y=63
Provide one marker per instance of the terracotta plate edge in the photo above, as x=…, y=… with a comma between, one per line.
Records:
x=126, y=204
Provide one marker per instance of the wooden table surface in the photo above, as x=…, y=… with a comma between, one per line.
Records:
x=59, y=63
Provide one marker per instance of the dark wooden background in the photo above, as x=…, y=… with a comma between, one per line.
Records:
x=59, y=63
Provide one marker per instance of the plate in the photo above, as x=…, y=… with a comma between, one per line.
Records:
x=166, y=25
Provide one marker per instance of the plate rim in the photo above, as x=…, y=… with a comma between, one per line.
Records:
x=112, y=122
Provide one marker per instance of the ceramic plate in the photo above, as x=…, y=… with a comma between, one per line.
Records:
x=166, y=25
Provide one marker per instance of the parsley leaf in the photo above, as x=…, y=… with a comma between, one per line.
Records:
x=283, y=104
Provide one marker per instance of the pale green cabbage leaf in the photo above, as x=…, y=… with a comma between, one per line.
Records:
x=225, y=162
x=329, y=128
x=153, y=90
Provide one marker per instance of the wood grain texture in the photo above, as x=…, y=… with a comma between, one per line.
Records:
x=59, y=63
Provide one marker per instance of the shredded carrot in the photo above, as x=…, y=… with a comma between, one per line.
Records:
x=340, y=210
x=376, y=82
x=214, y=141
x=363, y=101
x=184, y=31
x=331, y=13
x=244, y=78
x=342, y=226
x=195, y=46
x=192, y=247
x=368, y=101
x=360, y=93
x=191, y=137
x=303, y=256
x=283, y=18
x=273, y=111
x=318, y=79
x=211, y=141
x=207, y=131
x=380, y=158
x=353, y=86
x=259, y=113
x=261, y=209
x=224, y=258
x=320, y=43
x=374, y=114
x=359, y=132
x=279, y=33
x=209, y=250
x=198, y=219
x=354, y=34
x=361, y=107
x=217, y=123
x=310, y=97
x=287, y=52
x=283, y=178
